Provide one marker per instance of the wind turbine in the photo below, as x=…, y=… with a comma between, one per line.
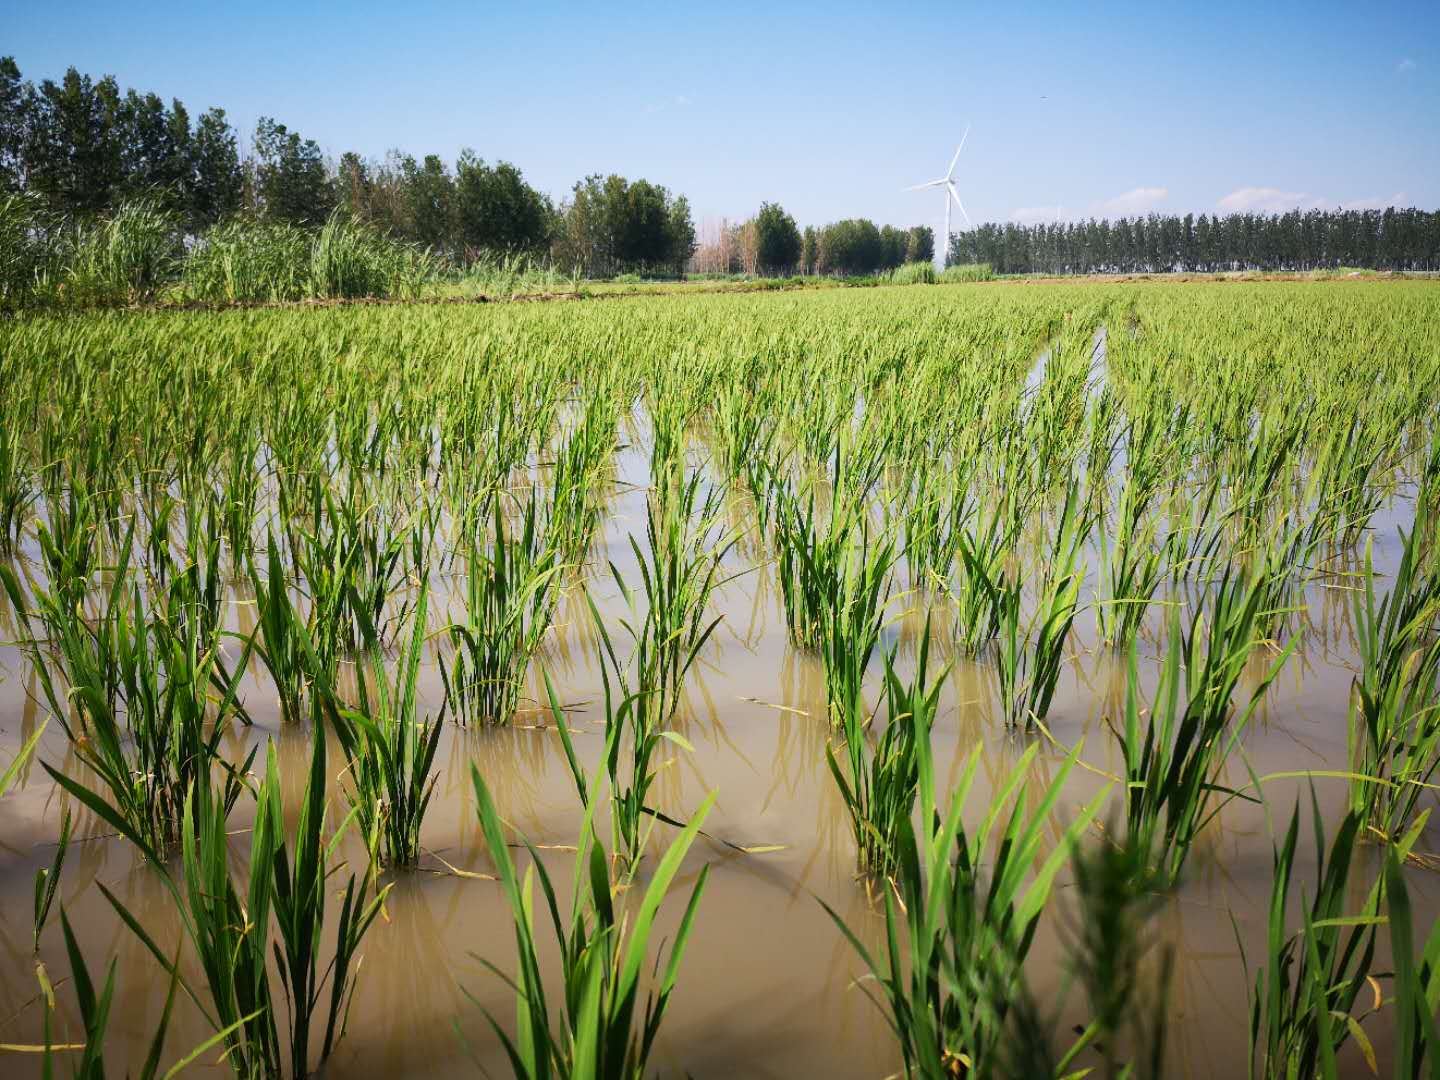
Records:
x=942, y=249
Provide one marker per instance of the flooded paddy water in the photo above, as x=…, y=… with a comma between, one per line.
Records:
x=768, y=985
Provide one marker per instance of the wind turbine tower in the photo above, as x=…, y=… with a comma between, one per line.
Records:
x=947, y=182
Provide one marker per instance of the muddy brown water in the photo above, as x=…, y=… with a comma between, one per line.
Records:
x=767, y=987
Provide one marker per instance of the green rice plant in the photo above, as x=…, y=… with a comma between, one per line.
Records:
x=601, y=1031
x=1303, y=1003
x=95, y=1020
x=1394, y=717
x=281, y=640
x=815, y=555
x=1131, y=565
x=348, y=559
x=1112, y=940
x=980, y=596
x=679, y=570
x=282, y=912
x=1030, y=658
x=962, y=916
x=746, y=430
x=47, y=878
x=1417, y=985
x=574, y=510
x=17, y=763
x=935, y=527
x=17, y=491
x=1175, y=758
x=390, y=751
x=510, y=597
x=132, y=690
x=879, y=784
x=851, y=623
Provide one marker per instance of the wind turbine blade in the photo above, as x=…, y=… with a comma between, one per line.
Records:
x=921, y=187
x=953, y=160
x=956, y=196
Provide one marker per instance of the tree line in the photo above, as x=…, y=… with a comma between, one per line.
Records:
x=771, y=243
x=1390, y=239
x=85, y=147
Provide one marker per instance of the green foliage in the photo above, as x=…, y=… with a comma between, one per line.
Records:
x=390, y=751
x=913, y=273
x=1394, y=720
x=1302, y=1008
x=601, y=1033
x=879, y=784
x=777, y=240
x=282, y=911
x=962, y=918
x=1175, y=757
x=955, y=273
x=510, y=596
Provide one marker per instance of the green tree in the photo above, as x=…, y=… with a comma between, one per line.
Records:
x=777, y=240
x=496, y=210
x=920, y=244
x=682, y=233
x=72, y=146
x=430, y=202
x=851, y=246
x=216, y=179
x=807, y=250
x=291, y=181
x=15, y=99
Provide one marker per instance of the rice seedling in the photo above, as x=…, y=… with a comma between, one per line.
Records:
x=1417, y=985
x=17, y=763
x=132, y=693
x=851, y=623
x=47, y=879
x=601, y=1031
x=1030, y=658
x=1394, y=717
x=679, y=570
x=1302, y=1009
x=16, y=489
x=879, y=784
x=95, y=1022
x=510, y=596
x=282, y=911
x=282, y=643
x=962, y=918
x=390, y=751
x=1175, y=758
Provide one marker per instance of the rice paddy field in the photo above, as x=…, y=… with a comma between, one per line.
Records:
x=987, y=680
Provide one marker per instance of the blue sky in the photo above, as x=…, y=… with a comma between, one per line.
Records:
x=829, y=109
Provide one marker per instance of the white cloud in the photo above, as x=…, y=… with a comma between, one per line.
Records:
x=1135, y=201
x=1034, y=215
x=1269, y=199
x=1275, y=201
x=1406, y=66
x=1375, y=203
